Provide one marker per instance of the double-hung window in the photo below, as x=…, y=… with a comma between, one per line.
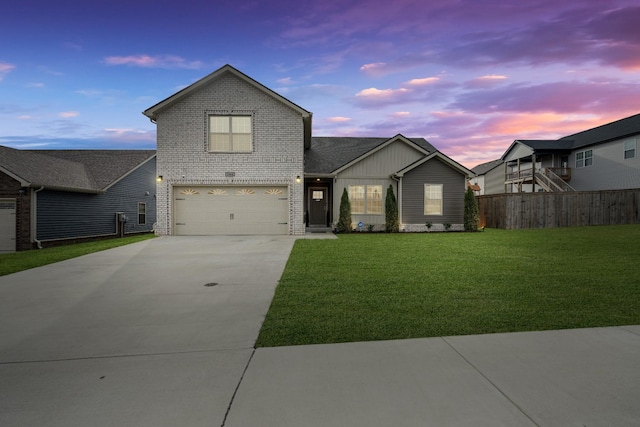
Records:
x=142, y=213
x=630, y=149
x=230, y=134
x=366, y=199
x=433, y=199
x=584, y=158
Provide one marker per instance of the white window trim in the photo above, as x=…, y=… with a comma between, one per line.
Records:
x=230, y=116
x=629, y=146
x=365, y=206
x=427, y=185
x=583, y=161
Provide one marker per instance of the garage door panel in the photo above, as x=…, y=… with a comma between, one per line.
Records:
x=231, y=210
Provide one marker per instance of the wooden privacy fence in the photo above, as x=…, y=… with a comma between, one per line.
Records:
x=569, y=209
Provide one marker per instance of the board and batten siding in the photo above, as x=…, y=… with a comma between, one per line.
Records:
x=374, y=169
x=69, y=215
x=377, y=221
x=384, y=162
x=433, y=171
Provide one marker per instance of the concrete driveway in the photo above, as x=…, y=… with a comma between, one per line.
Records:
x=157, y=333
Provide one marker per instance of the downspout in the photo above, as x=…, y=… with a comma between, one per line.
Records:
x=34, y=217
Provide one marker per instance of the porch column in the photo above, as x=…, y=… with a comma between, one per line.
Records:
x=533, y=172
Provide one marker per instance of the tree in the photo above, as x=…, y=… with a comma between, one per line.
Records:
x=470, y=211
x=391, y=222
x=344, y=221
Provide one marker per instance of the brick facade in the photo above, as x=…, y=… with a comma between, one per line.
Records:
x=11, y=189
x=182, y=146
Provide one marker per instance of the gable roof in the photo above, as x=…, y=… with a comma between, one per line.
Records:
x=608, y=132
x=435, y=155
x=483, y=168
x=88, y=171
x=615, y=130
x=152, y=112
x=327, y=155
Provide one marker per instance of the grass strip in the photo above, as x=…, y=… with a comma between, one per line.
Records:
x=364, y=287
x=19, y=261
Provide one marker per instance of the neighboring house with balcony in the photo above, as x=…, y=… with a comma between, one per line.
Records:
x=53, y=196
x=602, y=158
x=235, y=157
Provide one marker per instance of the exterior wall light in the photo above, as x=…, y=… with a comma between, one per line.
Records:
x=298, y=179
x=159, y=178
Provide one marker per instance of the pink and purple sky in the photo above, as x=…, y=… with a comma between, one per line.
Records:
x=468, y=75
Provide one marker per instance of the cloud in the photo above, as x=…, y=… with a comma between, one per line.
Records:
x=338, y=119
x=559, y=97
x=486, y=81
x=148, y=61
x=36, y=85
x=68, y=114
x=374, y=69
x=5, y=68
x=423, y=81
x=286, y=81
x=129, y=135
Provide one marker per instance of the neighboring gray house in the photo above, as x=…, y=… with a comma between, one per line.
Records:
x=49, y=196
x=234, y=157
x=489, y=177
x=602, y=158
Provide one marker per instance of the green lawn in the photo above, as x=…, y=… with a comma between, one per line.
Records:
x=18, y=261
x=364, y=287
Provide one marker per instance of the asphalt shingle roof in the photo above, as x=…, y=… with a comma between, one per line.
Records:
x=72, y=170
x=483, y=168
x=328, y=154
x=614, y=130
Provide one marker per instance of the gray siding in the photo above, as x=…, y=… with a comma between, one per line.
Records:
x=377, y=220
x=67, y=215
x=433, y=172
x=375, y=169
x=494, y=180
x=610, y=170
x=384, y=162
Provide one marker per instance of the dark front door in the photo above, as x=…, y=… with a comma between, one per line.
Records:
x=318, y=205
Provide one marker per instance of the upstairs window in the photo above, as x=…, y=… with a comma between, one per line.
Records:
x=433, y=199
x=230, y=134
x=584, y=159
x=630, y=149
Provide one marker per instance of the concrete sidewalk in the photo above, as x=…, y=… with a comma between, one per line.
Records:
x=582, y=377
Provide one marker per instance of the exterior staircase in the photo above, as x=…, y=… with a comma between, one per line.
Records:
x=550, y=181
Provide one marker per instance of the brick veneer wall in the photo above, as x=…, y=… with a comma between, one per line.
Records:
x=10, y=189
x=183, y=157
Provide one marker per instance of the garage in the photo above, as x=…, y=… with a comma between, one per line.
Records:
x=7, y=225
x=230, y=210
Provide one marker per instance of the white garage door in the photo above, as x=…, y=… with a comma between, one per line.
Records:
x=230, y=210
x=7, y=225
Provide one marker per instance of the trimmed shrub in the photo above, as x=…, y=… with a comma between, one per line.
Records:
x=344, y=220
x=391, y=221
x=470, y=211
